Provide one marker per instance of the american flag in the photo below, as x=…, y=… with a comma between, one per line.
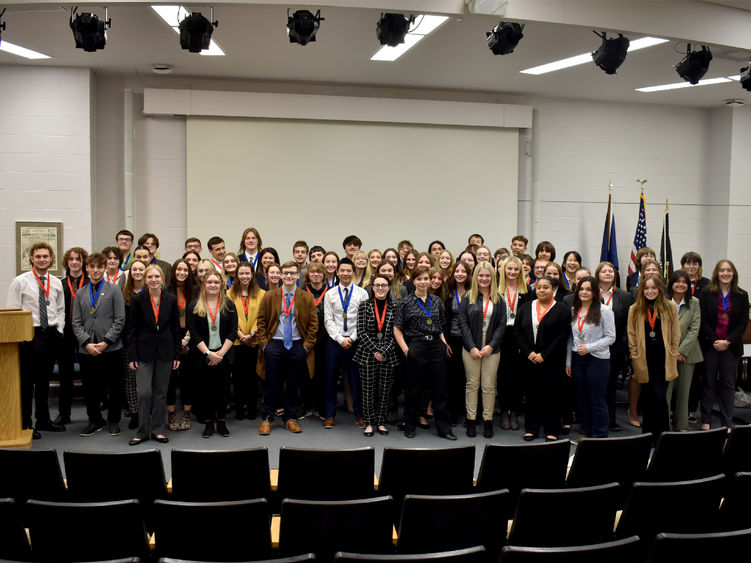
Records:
x=640, y=238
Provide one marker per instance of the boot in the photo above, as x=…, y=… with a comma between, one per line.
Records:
x=488, y=429
x=471, y=432
x=514, y=422
x=221, y=429
x=505, y=421
x=185, y=424
x=172, y=421
x=208, y=431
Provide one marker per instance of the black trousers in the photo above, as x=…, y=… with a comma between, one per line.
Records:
x=720, y=369
x=213, y=382
x=283, y=369
x=543, y=391
x=102, y=376
x=617, y=365
x=426, y=369
x=457, y=381
x=245, y=379
x=510, y=378
x=37, y=362
x=185, y=378
x=66, y=358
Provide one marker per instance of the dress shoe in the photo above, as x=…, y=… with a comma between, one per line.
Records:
x=529, y=437
x=92, y=428
x=61, y=420
x=292, y=426
x=265, y=428
x=409, y=432
x=401, y=425
x=368, y=431
x=360, y=422
x=449, y=436
x=208, y=430
x=471, y=430
x=422, y=423
x=113, y=429
x=49, y=426
x=135, y=441
x=133, y=424
x=328, y=424
x=614, y=427
x=383, y=431
x=160, y=438
x=514, y=422
x=487, y=430
x=36, y=435
x=221, y=429
x=505, y=421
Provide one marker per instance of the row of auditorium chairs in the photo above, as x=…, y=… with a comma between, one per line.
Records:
x=245, y=530
x=201, y=476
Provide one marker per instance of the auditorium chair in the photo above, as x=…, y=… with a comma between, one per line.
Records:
x=26, y=474
x=737, y=454
x=686, y=456
x=627, y=550
x=728, y=547
x=14, y=544
x=469, y=555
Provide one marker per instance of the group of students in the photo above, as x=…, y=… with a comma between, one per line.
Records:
x=461, y=337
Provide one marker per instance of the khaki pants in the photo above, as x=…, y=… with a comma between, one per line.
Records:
x=480, y=373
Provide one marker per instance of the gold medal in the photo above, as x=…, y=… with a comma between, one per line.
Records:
x=344, y=315
x=429, y=322
x=725, y=316
x=92, y=311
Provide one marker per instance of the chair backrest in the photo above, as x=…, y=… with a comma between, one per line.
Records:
x=86, y=531
x=562, y=517
x=326, y=474
x=469, y=555
x=212, y=531
x=727, y=547
x=14, y=544
x=325, y=527
x=735, y=512
x=737, y=454
x=681, y=507
x=26, y=474
x=621, y=460
x=293, y=559
x=99, y=477
x=220, y=475
x=686, y=456
x=626, y=550
x=531, y=466
x=432, y=523
x=424, y=471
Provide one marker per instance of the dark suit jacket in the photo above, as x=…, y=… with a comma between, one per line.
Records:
x=146, y=342
x=701, y=285
x=470, y=323
x=621, y=302
x=631, y=280
x=552, y=335
x=737, y=320
x=199, y=330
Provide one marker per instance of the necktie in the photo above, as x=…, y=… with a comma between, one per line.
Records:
x=287, y=326
x=42, y=306
x=346, y=293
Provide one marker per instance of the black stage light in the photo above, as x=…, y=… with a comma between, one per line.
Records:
x=302, y=26
x=392, y=28
x=504, y=37
x=746, y=77
x=694, y=65
x=611, y=53
x=195, y=32
x=89, y=32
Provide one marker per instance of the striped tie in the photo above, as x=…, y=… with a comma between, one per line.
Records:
x=42, y=306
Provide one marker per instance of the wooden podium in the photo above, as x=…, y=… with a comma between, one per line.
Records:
x=15, y=326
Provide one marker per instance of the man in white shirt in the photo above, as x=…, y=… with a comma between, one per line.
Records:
x=41, y=293
x=218, y=252
x=340, y=318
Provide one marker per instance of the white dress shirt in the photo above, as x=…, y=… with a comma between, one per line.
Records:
x=333, y=311
x=23, y=293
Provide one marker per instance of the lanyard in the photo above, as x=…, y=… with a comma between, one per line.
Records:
x=512, y=304
x=108, y=276
x=73, y=293
x=218, y=266
x=288, y=310
x=429, y=310
x=612, y=291
x=39, y=281
x=345, y=306
x=127, y=259
x=216, y=311
x=382, y=319
x=320, y=297
x=580, y=323
x=485, y=310
x=458, y=303
x=725, y=303
x=155, y=307
x=93, y=298
x=545, y=312
x=652, y=318
x=255, y=260
x=180, y=303
x=246, y=303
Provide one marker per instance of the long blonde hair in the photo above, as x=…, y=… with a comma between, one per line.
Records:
x=661, y=306
x=475, y=289
x=502, y=276
x=200, y=309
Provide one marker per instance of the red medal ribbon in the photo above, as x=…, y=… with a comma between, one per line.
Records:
x=320, y=297
x=485, y=310
x=218, y=265
x=612, y=291
x=216, y=311
x=652, y=318
x=246, y=303
x=73, y=293
x=512, y=304
x=180, y=303
x=155, y=308
x=108, y=276
x=579, y=323
x=39, y=281
x=545, y=312
x=288, y=311
x=382, y=319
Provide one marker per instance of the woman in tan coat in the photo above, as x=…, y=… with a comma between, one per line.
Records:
x=654, y=334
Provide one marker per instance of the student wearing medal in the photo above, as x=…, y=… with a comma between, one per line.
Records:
x=376, y=354
x=98, y=322
x=312, y=388
x=459, y=284
x=133, y=286
x=541, y=330
x=724, y=316
x=250, y=246
x=114, y=273
x=124, y=240
x=218, y=251
x=654, y=334
x=212, y=323
x=513, y=291
x=588, y=356
x=419, y=331
x=246, y=296
x=153, y=352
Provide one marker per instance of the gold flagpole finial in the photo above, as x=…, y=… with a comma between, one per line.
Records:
x=642, y=182
x=610, y=187
x=666, y=205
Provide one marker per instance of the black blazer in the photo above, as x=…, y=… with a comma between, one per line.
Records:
x=470, y=323
x=701, y=285
x=621, y=302
x=631, y=281
x=552, y=334
x=199, y=330
x=737, y=321
x=148, y=342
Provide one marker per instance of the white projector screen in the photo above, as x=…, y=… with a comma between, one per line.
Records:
x=323, y=180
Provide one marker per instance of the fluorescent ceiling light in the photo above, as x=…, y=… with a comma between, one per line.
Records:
x=677, y=85
x=173, y=15
x=736, y=77
x=584, y=58
x=425, y=25
x=21, y=51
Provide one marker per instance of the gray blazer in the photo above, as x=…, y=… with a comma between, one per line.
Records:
x=107, y=322
x=690, y=321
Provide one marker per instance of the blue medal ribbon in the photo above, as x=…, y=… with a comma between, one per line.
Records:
x=229, y=281
x=345, y=306
x=725, y=302
x=458, y=304
x=93, y=298
x=429, y=310
x=122, y=268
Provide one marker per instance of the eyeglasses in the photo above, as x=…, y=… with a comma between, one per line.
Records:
x=124, y=239
x=381, y=285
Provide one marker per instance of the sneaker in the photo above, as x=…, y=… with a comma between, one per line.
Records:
x=92, y=429
x=113, y=429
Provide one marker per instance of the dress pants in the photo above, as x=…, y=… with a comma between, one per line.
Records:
x=102, y=377
x=480, y=373
x=37, y=362
x=214, y=382
x=152, y=380
x=245, y=379
x=426, y=369
x=457, y=381
x=617, y=365
x=543, y=392
x=681, y=387
x=590, y=377
x=283, y=369
x=719, y=384
x=376, y=379
x=66, y=359
x=510, y=378
x=336, y=357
